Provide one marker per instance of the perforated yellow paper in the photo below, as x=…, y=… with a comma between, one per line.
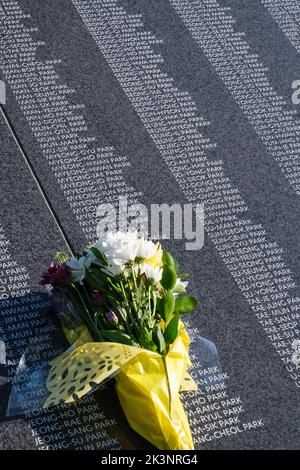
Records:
x=75, y=373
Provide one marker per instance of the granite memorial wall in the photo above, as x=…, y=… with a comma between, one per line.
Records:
x=161, y=102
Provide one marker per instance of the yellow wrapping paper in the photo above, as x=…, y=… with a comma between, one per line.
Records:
x=148, y=390
x=147, y=385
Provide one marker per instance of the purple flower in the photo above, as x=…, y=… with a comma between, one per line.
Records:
x=57, y=275
x=112, y=317
x=53, y=267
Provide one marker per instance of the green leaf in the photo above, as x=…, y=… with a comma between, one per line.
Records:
x=159, y=338
x=176, y=265
x=167, y=259
x=116, y=336
x=183, y=276
x=185, y=304
x=171, y=332
x=166, y=305
x=169, y=277
x=100, y=256
x=146, y=340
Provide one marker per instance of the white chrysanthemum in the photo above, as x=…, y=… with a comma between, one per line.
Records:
x=119, y=248
x=146, y=248
x=153, y=274
x=115, y=267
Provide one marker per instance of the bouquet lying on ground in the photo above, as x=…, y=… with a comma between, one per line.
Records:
x=119, y=302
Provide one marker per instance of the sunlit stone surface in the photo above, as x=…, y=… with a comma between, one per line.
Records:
x=177, y=101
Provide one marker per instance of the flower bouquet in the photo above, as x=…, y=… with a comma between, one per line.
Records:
x=119, y=302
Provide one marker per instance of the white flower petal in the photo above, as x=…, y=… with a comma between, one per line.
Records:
x=151, y=273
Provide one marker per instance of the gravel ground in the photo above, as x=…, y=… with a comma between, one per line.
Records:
x=16, y=435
